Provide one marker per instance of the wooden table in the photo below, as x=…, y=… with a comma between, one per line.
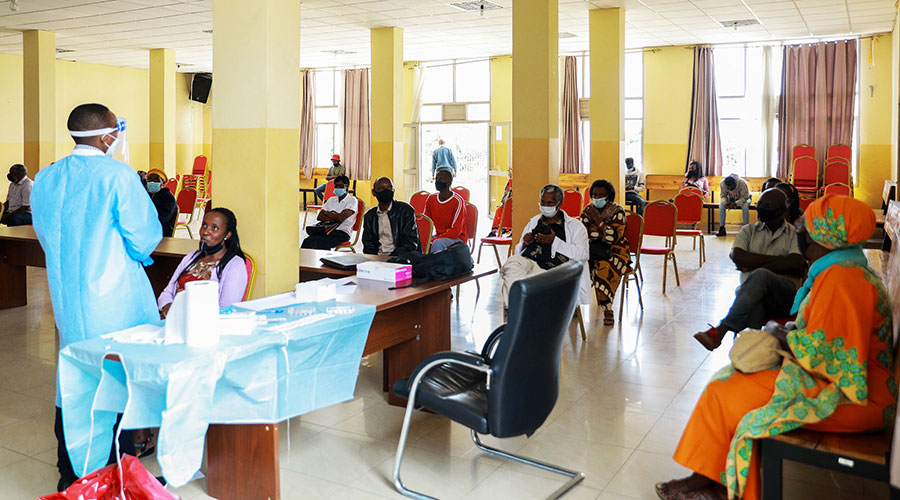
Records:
x=410, y=323
x=20, y=248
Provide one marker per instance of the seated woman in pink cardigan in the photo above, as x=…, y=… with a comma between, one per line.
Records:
x=219, y=259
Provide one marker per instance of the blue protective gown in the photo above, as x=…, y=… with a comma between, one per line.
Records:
x=97, y=227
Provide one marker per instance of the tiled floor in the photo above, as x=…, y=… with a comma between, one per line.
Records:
x=625, y=396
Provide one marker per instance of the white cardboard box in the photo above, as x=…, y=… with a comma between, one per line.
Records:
x=384, y=271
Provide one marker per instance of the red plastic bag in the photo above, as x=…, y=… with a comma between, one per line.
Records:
x=103, y=484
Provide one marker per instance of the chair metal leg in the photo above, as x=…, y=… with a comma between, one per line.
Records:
x=497, y=255
x=665, y=269
x=574, y=477
x=675, y=265
x=580, y=321
x=640, y=272
x=623, y=289
x=479, y=253
x=640, y=299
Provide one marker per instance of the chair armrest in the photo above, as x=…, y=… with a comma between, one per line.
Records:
x=438, y=358
x=488, y=350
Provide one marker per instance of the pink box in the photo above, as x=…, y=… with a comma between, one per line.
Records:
x=384, y=271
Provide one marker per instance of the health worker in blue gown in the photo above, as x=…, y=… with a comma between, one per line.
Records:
x=97, y=227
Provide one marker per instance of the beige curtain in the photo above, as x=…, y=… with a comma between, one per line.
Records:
x=818, y=85
x=704, y=141
x=570, y=161
x=357, y=139
x=307, y=125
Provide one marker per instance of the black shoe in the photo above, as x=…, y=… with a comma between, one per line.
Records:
x=722, y=231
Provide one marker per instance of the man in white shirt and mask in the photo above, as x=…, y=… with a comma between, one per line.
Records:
x=550, y=239
x=97, y=227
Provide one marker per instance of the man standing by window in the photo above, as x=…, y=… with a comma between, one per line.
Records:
x=442, y=158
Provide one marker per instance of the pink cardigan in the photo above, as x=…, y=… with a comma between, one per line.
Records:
x=231, y=287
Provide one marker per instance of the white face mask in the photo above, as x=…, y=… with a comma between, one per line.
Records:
x=549, y=212
x=112, y=148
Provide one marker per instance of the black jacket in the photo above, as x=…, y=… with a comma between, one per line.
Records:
x=167, y=209
x=403, y=227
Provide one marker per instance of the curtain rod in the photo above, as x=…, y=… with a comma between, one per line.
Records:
x=788, y=41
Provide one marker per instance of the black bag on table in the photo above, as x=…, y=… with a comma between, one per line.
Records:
x=451, y=262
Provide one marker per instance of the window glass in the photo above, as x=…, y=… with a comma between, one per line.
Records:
x=324, y=87
x=327, y=114
x=438, y=83
x=478, y=112
x=324, y=144
x=730, y=71
x=634, y=74
x=634, y=108
x=731, y=107
x=473, y=81
x=431, y=113
x=634, y=141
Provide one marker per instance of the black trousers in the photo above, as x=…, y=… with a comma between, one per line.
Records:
x=66, y=473
x=325, y=241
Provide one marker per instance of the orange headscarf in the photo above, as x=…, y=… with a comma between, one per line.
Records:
x=839, y=221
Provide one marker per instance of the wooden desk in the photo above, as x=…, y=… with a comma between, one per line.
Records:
x=410, y=323
x=20, y=248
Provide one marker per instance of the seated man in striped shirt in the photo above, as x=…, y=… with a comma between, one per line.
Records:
x=448, y=212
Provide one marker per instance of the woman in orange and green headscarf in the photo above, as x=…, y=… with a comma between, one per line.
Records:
x=840, y=379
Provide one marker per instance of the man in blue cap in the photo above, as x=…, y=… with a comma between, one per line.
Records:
x=97, y=227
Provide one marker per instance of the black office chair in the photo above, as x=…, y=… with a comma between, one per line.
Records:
x=505, y=392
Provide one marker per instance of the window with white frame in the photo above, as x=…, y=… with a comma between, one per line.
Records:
x=739, y=75
x=634, y=105
x=457, y=82
x=328, y=132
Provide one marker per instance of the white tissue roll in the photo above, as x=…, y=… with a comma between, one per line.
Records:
x=202, y=313
x=176, y=320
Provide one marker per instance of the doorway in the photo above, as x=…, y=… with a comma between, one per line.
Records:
x=469, y=143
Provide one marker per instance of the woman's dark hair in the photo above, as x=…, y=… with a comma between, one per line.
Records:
x=605, y=184
x=771, y=182
x=232, y=244
x=699, y=174
x=793, y=195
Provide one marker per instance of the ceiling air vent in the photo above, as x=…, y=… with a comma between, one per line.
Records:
x=738, y=23
x=339, y=52
x=475, y=5
x=64, y=51
x=566, y=34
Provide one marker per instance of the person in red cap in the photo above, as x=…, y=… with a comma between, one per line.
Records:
x=335, y=170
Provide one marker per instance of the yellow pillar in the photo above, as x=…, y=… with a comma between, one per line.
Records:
x=607, y=106
x=256, y=131
x=39, y=99
x=387, y=105
x=535, y=104
x=162, y=110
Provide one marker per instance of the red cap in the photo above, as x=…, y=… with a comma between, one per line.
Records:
x=336, y=157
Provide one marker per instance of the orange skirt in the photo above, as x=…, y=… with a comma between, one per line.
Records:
x=707, y=436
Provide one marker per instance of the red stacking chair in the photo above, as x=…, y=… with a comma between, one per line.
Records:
x=690, y=211
x=186, y=200
x=426, y=231
x=495, y=241
x=417, y=200
x=839, y=151
x=354, y=238
x=660, y=219
x=836, y=172
x=572, y=203
x=462, y=191
x=805, y=175
x=634, y=233
x=801, y=150
x=471, y=232
x=172, y=185
x=838, y=189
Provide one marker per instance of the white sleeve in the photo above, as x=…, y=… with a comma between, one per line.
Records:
x=576, y=246
x=528, y=229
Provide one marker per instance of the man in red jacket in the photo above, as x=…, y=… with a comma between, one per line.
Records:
x=448, y=212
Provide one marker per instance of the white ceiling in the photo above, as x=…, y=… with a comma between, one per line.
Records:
x=119, y=32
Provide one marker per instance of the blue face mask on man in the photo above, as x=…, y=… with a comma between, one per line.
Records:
x=154, y=187
x=339, y=192
x=599, y=202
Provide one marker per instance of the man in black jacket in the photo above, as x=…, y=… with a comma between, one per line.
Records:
x=389, y=228
x=164, y=201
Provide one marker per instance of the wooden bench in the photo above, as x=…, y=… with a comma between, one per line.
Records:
x=673, y=183
x=866, y=455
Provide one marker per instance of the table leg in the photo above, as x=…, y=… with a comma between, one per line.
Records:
x=434, y=336
x=13, y=287
x=243, y=462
